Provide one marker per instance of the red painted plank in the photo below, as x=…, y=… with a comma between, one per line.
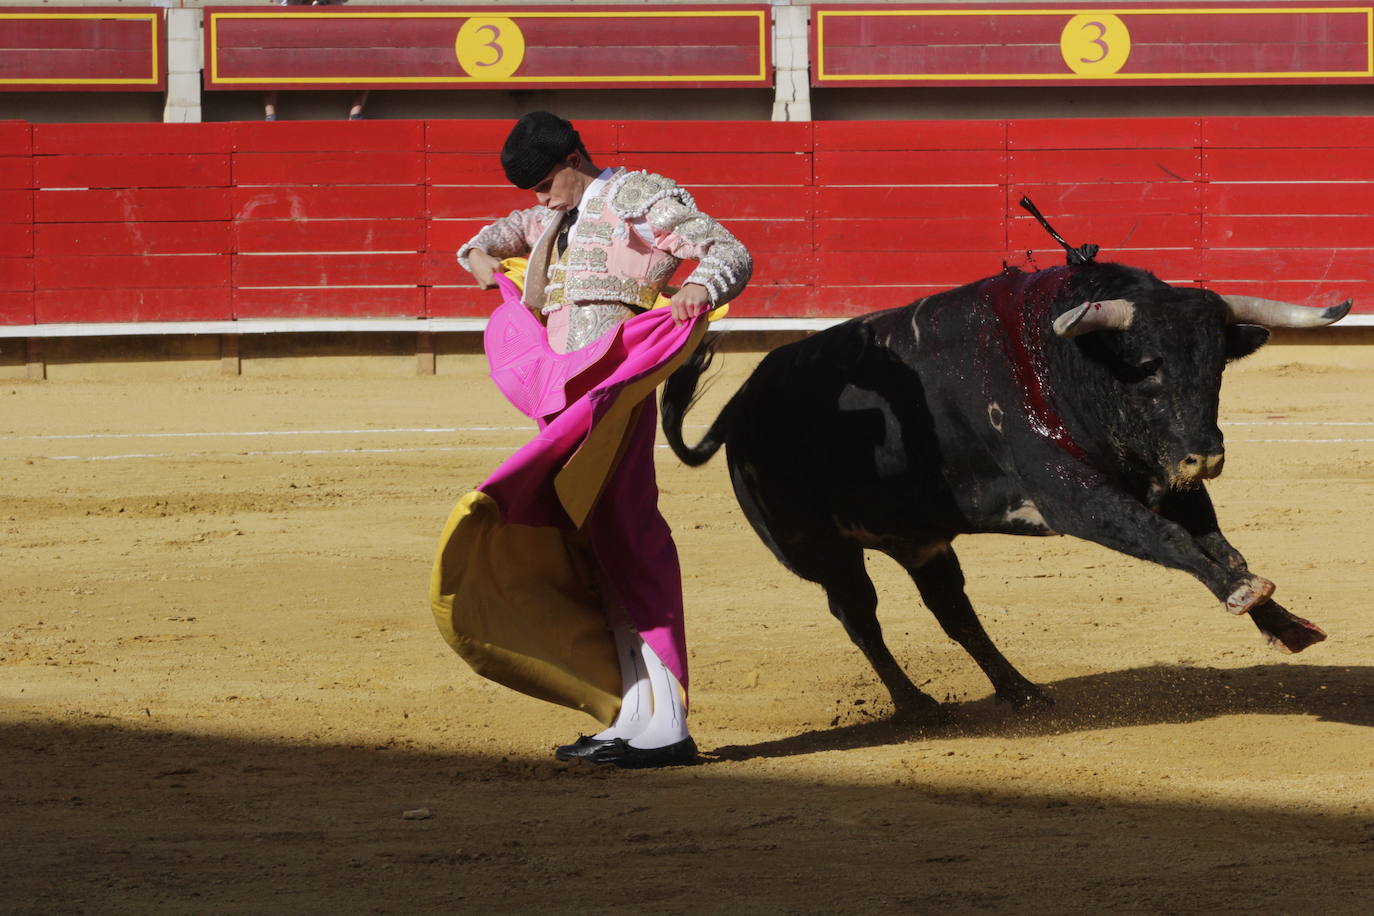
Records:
x=329, y=303
x=355, y=269
x=16, y=172
x=1149, y=197
x=16, y=274
x=487, y=137
x=1289, y=264
x=848, y=301
x=716, y=136
x=16, y=138
x=327, y=203
x=1289, y=132
x=331, y=235
x=1069, y=166
x=16, y=308
x=132, y=171
x=360, y=168
x=92, y=31
x=390, y=33
x=568, y=66
x=1289, y=232
x=1287, y=165
x=108, y=139
x=133, y=205
x=1298, y=198
x=125, y=304
x=728, y=204
x=763, y=236
x=16, y=240
x=94, y=68
x=909, y=268
x=448, y=235
x=327, y=136
x=58, y=239
x=835, y=235
x=1111, y=231
x=1256, y=26
x=463, y=169
x=1104, y=133
x=842, y=136
x=438, y=267
x=156, y=271
x=915, y=167
x=774, y=302
x=908, y=202
x=721, y=168
x=16, y=206
x=459, y=302
x=447, y=202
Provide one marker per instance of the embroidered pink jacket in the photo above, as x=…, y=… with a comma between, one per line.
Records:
x=632, y=231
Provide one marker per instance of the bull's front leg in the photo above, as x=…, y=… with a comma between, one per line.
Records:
x=1193, y=510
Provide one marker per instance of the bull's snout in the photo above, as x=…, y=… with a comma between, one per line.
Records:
x=1197, y=466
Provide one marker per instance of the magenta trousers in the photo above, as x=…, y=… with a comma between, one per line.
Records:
x=634, y=547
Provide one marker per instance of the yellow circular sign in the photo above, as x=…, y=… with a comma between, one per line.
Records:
x=1095, y=44
x=490, y=47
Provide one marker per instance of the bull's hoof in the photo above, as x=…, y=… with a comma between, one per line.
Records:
x=1025, y=697
x=915, y=705
x=1296, y=636
x=1249, y=595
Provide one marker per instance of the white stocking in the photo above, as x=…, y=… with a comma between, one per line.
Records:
x=637, y=698
x=668, y=724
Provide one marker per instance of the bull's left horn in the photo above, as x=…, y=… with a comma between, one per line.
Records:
x=1273, y=314
x=1107, y=315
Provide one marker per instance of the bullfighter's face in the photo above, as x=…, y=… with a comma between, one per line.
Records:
x=562, y=188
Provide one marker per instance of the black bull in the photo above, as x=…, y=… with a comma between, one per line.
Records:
x=1078, y=400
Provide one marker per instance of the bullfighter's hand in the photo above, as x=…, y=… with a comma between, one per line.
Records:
x=689, y=302
x=483, y=266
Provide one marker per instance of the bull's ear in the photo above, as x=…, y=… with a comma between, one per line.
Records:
x=1244, y=339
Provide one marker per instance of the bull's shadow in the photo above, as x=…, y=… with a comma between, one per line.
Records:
x=1156, y=695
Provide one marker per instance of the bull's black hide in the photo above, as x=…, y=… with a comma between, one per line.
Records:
x=1077, y=400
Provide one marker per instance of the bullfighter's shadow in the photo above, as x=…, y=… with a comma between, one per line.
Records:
x=1156, y=695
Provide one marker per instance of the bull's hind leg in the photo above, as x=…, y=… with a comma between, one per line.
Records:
x=940, y=580
x=839, y=569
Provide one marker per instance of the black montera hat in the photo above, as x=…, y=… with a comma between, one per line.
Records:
x=537, y=143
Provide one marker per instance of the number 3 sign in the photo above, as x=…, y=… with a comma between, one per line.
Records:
x=490, y=48
x=1095, y=44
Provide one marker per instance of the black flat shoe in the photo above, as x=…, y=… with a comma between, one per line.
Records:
x=583, y=748
x=620, y=753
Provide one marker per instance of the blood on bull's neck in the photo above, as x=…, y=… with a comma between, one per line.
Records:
x=1021, y=303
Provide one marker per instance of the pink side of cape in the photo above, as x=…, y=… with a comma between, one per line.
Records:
x=590, y=382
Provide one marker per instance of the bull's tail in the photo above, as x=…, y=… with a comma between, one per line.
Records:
x=679, y=394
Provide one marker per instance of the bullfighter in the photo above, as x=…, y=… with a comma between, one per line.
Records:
x=558, y=576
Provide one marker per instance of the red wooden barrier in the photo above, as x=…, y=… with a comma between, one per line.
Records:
x=146, y=222
x=16, y=223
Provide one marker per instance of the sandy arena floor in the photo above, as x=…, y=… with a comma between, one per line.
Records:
x=221, y=689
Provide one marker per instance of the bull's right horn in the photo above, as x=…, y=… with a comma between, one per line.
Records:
x=1273, y=314
x=1107, y=315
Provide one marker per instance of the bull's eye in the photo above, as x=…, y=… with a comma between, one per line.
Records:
x=1144, y=374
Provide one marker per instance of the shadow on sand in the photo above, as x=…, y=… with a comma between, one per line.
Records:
x=1116, y=699
x=116, y=818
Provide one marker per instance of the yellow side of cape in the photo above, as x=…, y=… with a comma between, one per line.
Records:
x=519, y=603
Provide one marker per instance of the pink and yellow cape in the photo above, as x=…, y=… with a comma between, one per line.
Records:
x=513, y=589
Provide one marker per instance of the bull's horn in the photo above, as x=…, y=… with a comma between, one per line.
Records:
x=1272, y=314
x=1107, y=315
